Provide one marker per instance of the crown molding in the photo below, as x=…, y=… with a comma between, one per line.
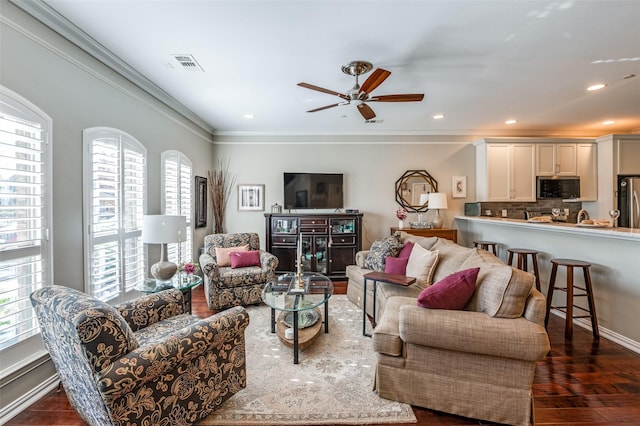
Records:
x=48, y=16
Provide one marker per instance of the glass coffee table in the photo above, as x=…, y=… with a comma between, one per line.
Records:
x=183, y=283
x=297, y=304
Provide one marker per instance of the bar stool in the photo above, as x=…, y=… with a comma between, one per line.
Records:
x=487, y=245
x=568, y=309
x=523, y=264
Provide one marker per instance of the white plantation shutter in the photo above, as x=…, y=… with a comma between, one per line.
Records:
x=177, y=190
x=115, y=200
x=25, y=182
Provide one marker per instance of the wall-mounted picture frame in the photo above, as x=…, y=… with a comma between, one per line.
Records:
x=201, y=202
x=251, y=197
x=459, y=186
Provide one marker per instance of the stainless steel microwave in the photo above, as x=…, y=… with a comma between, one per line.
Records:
x=557, y=187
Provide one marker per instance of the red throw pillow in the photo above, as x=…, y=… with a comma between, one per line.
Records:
x=242, y=259
x=405, y=251
x=396, y=265
x=452, y=292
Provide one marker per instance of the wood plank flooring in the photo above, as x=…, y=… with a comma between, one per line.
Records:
x=582, y=382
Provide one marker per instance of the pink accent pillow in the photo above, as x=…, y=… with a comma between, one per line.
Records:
x=222, y=254
x=405, y=251
x=396, y=265
x=452, y=292
x=242, y=259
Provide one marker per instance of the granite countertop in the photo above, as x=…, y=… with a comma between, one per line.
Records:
x=609, y=232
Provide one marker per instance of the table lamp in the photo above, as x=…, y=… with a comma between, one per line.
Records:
x=437, y=200
x=162, y=229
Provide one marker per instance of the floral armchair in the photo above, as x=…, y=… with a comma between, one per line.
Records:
x=226, y=286
x=144, y=362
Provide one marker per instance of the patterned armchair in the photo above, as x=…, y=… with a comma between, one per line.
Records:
x=144, y=362
x=225, y=286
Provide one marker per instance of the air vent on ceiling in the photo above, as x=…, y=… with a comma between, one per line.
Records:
x=374, y=121
x=188, y=62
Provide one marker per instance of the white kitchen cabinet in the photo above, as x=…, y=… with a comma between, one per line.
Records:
x=556, y=159
x=628, y=156
x=505, y=171
x=587, y=168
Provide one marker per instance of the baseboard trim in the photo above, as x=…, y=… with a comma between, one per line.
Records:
x=621, y=340
x=28, y=399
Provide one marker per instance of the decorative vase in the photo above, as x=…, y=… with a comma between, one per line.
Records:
x=401, y=224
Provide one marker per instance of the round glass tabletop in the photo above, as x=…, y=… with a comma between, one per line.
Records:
x=291, y=293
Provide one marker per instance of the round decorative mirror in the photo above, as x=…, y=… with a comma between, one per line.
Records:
x=413, y=188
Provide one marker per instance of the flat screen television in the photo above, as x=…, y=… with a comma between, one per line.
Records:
x=313, y=191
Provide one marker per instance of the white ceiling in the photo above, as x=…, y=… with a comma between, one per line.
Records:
x=478, y=62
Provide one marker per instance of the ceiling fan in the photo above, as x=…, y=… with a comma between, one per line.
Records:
x=363, y=93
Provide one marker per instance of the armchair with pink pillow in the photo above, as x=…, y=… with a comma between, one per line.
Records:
x=235, y=269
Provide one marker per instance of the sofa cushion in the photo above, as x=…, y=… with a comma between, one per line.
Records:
x=222, y=254
x=422, y=263
x=242, y=259
x=425, y=242
x=396, y=265
x=452, y=293
x=451, y=256
x=501, y=290
x=379, y=251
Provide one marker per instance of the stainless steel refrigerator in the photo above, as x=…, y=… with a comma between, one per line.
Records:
x=628, y=203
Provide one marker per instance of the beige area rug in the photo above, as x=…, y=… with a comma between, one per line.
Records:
x=332, y=384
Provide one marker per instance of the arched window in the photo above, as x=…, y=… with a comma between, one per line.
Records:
x=115, y=194
x=177, y=197
x=25, y=213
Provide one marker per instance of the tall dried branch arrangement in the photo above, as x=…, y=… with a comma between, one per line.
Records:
x=221, y=181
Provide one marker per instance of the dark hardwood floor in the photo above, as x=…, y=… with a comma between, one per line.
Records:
x=582, y=382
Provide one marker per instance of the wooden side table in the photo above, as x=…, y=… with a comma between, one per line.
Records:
x=448, y=233
x=379, y=277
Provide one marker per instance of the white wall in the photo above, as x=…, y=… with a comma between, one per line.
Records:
x=370, y=171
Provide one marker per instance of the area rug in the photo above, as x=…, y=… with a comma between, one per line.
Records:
x=332, y=384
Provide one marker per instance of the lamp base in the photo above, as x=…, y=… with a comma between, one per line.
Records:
x=436, y=223
x=163, y=271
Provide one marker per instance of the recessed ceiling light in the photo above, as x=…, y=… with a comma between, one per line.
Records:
x=608, y=122
x=248, y=116
x=438, y=116
x=512, y=121
x=596, y=87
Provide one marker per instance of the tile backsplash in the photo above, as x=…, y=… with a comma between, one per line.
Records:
x=517, y=210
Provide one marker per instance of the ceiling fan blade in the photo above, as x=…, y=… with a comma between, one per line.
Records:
x=325, y=107
x=375, y=79
x=366, y=111
x=323, y=90
x=416, y=97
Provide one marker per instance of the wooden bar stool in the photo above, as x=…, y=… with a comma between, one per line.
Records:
x=487, y=245
x=568, y=309
x=523, y=264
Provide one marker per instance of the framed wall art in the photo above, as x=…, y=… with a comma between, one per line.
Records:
x=459, y=186
x=201, y=202
x=251, y=197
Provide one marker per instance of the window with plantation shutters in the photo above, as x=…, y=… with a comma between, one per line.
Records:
x=25, y=211
x=177, y=193
x=115, y=169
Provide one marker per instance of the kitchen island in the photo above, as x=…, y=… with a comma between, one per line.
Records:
x=613, y=252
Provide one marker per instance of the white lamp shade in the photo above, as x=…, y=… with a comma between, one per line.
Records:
x=438, y=200
x=161, y=229
x=423, y=199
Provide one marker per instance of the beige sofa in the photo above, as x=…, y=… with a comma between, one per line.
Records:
x=478, y=362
